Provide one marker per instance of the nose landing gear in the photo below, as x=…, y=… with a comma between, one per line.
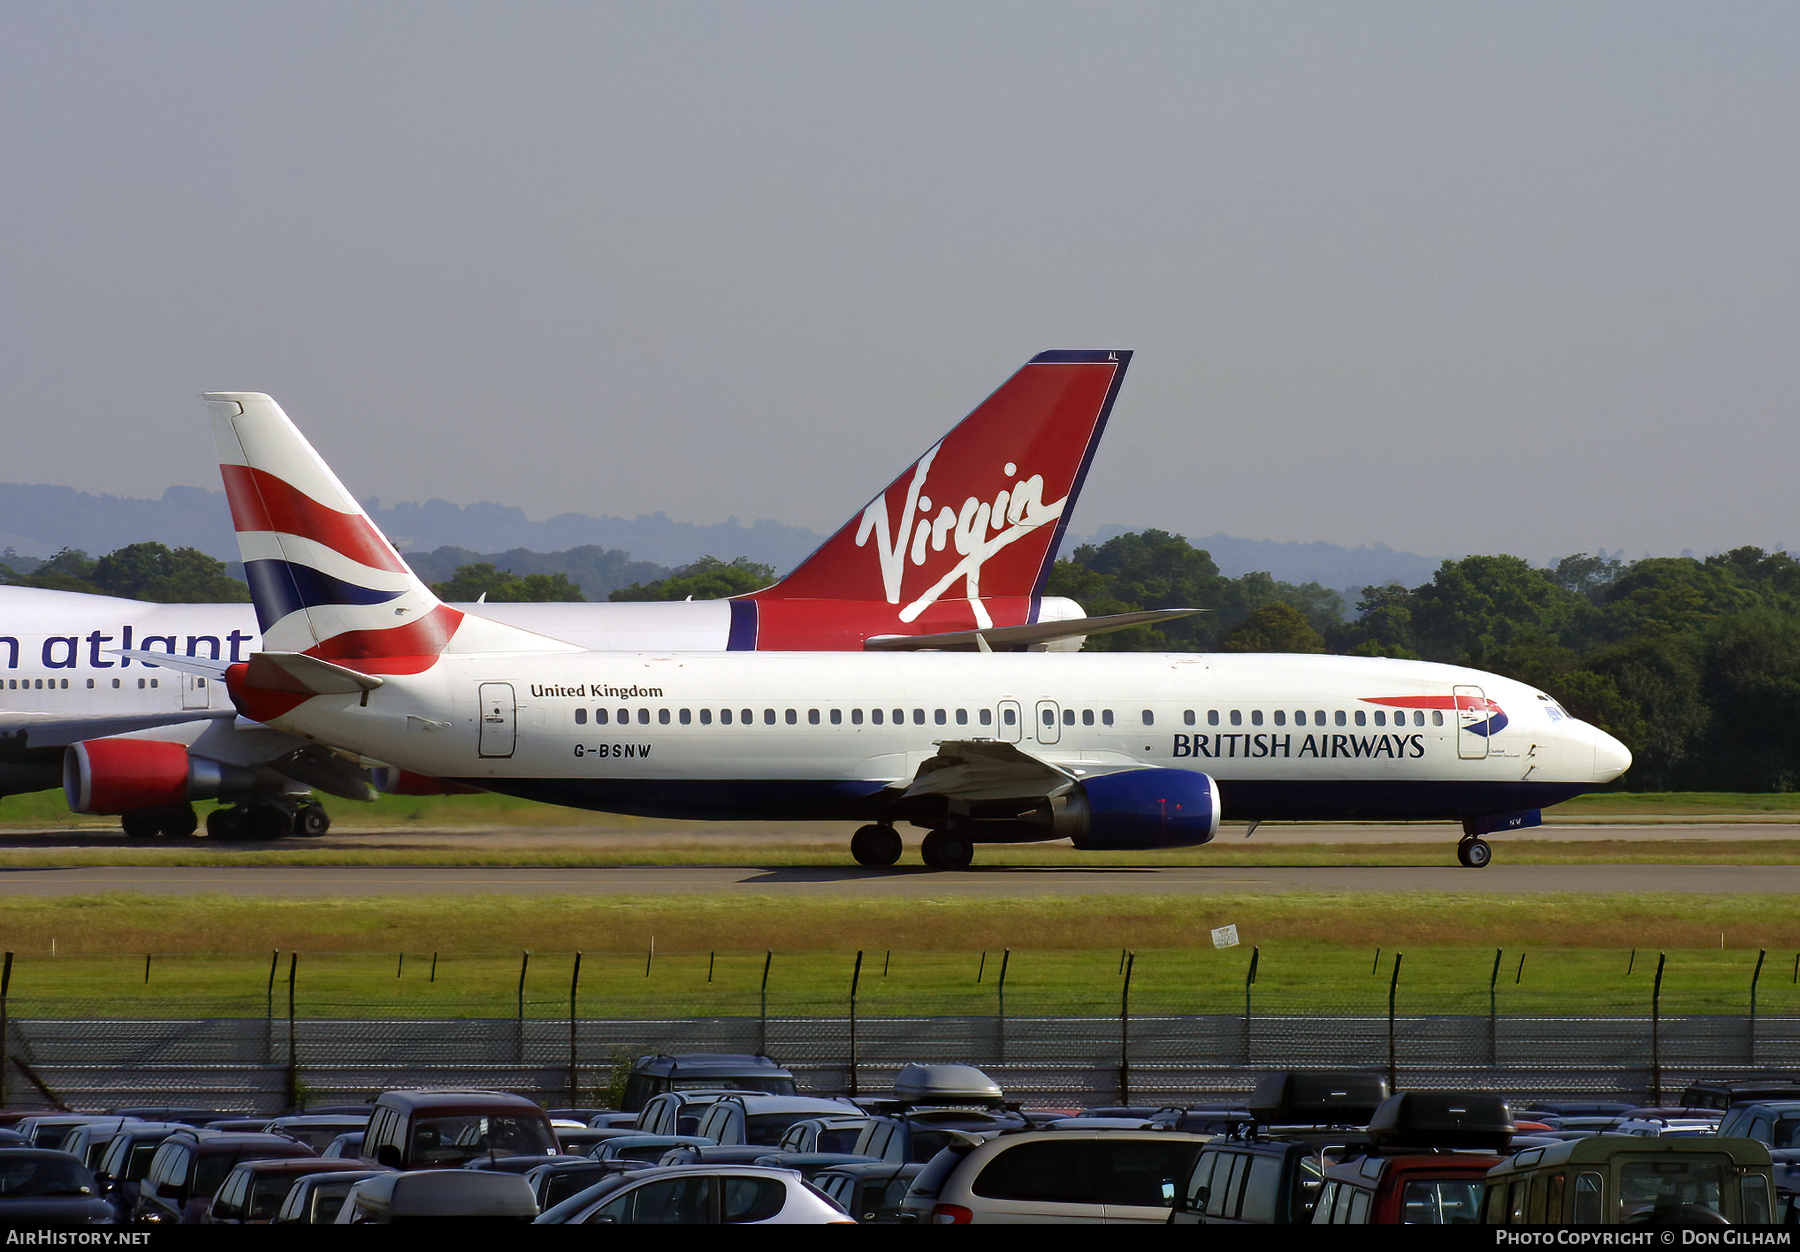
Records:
x=1474, y=853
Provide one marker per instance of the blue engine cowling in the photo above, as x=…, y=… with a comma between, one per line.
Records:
x=1141, y=809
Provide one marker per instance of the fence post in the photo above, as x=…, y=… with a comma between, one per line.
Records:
x=5, y=1033
x=293, y=1065
x=762, y=1015
x=1249, y=981
x=1000, y=991
x=1125, y=1031
x=269, y=1010
x=1656, y=1032
x=519, y=1029
x=1393, y=1052
x=574, y=1062
x=855, y=978
x=1754, y=977
x=1494, y=1012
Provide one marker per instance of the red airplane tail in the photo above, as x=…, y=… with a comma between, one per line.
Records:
x=965, y=537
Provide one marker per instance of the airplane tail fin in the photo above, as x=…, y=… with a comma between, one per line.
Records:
x=324, y=579
x=980, y=514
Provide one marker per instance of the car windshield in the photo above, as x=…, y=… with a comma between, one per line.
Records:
x=42, y=1176
x=436, y=1140
x=1441, y=1202
x=1660, y=1182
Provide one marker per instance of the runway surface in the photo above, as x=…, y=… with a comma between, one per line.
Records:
x=902, y=882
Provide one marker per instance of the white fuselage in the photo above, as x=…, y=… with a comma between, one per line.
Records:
x=798, y=735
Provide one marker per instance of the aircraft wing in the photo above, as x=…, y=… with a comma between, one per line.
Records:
x=59, y=730
x=987, y=640
x=983, y=769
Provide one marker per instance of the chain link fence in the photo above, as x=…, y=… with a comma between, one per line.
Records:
x=285, y=1042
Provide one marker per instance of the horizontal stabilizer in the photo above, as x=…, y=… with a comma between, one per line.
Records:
x=205, y=666
x=998, y=637
x=305, y=675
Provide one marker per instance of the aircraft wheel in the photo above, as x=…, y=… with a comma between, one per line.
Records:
x=311, y=820
x=1474, y=853
x=945, y=849
x=179, y=823
x=140, y=825
x=226, y=823
x=875, y=846
x=265, y=821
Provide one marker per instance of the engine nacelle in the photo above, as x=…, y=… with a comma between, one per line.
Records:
x=403, y=782
x=125, y=775
x=1140, y=810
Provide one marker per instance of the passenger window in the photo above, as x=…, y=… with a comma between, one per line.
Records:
x=662, y=717
x=1299, y=717
x=1262, y=1192
x=1009, y=716
x=875, y=716
x=1322, y=1210
x=1256, y=717
x=1049, y=717
x=643, y=717
x=856, y=717
x=987, y=717
x=1087, y=717
x=747, y=716
x=706, y=717
x=768, y=717
x=1362, y=718
x=601, y=717
x=1068, y=717
x=581, y=717
x=1187, y=717
x=1106, y=717
x=1318, y=717
x=1200, y=1180
x=962, y=717
x=687, y=717
x=1212, y=717
x=1281, y=717
x=724, y=717
x=940, y=717
x=812, y=717
x=900, y=717
x=1437, y=717
x=793, y=717
x=1358, y=1213
x=837, y=717
x=1380, y=718
x=1149, y=718
x=918, y=716
x=1237, y=717
x=1226, y=1176
x=1338, y=717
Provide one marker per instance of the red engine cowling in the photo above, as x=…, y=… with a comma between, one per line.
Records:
x=125, y=775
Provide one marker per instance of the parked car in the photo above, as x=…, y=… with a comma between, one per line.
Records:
x=823, y=1134
x=1056, y=1176
x=705, y=1195
x=316, y=1199
x=44, y=1187
x=47, y=1130
x=763, y=1119
x=807, y=1164
x=87, y=1141
x=1612, y=1179
x=554, y=1182
x=1723, y=1093
x=871, y=1192
x=253, y=1191
x=1270, y=1182
x=189, y=1166
x=679, y=1112
x=317, y=1130
x=126, y=1159
x=445, y=1129
x=438, y=1193
x=653, y=1075
x=1774, y=1122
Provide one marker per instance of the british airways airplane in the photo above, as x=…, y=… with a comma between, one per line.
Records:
x=1119, y=751
x=963, y=538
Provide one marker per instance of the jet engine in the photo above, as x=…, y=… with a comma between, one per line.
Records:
x=1142, y=809
x=125, y=775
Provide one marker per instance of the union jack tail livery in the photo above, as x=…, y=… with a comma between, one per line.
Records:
x=326, y=583
x=965, y=537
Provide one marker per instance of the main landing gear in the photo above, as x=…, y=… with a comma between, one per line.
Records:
x=879, y=846
x=875, y=846
x=268, y=821
x=1474, y=853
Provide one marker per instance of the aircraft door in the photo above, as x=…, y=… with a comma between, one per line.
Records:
x=1011, y=725
x=195, y=691
x=1049, y=721
x=1471, y=711
x=497, y=716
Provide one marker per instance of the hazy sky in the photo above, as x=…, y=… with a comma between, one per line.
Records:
x=1452, y=277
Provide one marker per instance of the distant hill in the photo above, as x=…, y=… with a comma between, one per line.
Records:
x=40, y=520
x=599, y=553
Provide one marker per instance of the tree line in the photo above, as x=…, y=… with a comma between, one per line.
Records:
x=1693, y=662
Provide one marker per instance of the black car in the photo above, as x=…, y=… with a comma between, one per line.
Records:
x=653, y=1075
x=40, y=1187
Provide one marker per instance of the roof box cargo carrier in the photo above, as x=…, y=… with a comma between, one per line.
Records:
x=946, y=1084
x=1442, y=1119
x=1319, y=1098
